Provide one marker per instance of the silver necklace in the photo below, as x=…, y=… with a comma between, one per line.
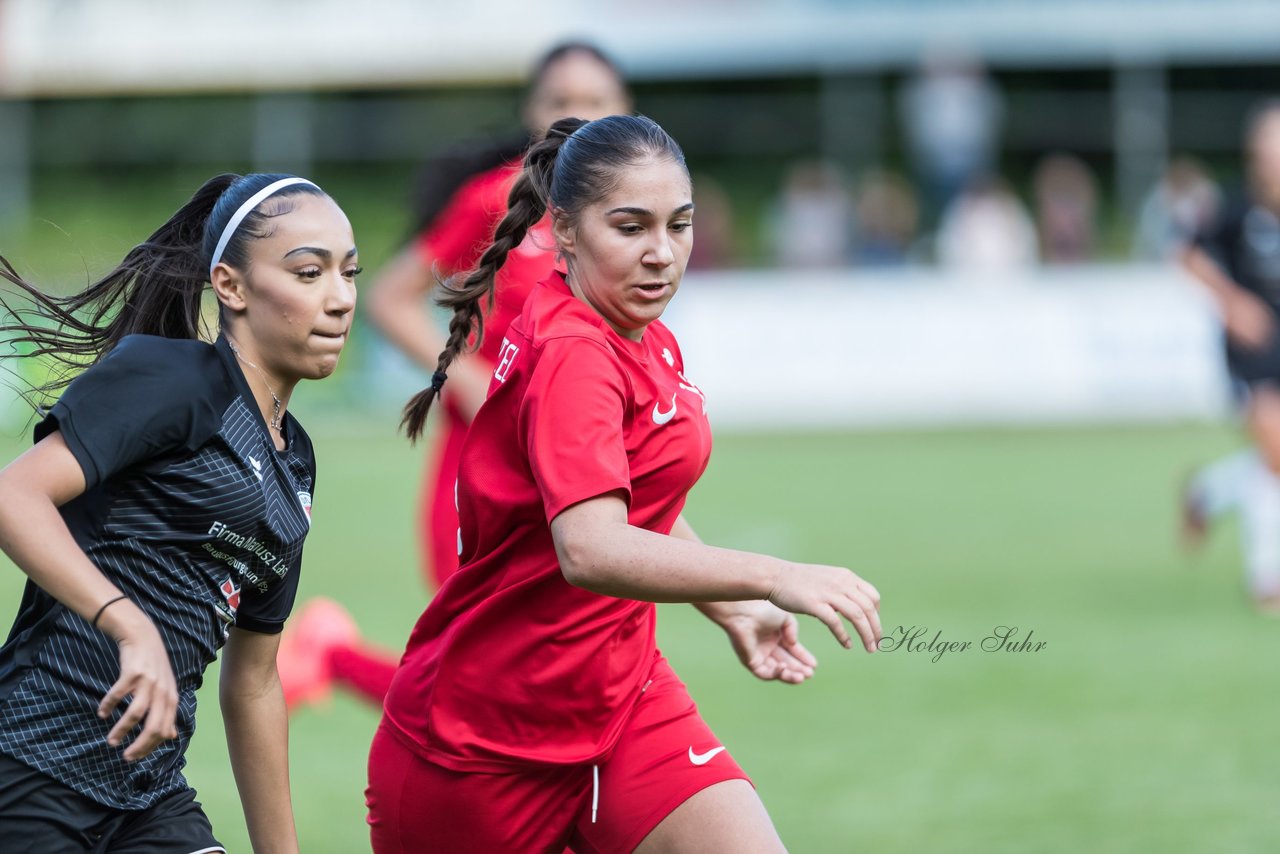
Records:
x=276, y=405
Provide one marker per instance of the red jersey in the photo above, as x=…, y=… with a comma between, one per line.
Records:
x=464, y=229
x=510, y=664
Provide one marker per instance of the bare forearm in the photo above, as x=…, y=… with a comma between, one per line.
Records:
x=715, y=611
x=633, y=563
x=397, y=305
x=258, y=742
x=468, y=384
x=412, y=331
x=34, y=534
x=1207, y=272
x=600, y=551
x=404, y=320
x=35, y=537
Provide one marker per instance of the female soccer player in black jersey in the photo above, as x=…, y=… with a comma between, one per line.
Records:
x=1237, y=258
x=161, y=514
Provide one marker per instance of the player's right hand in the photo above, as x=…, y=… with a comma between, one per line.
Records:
x=831, y=593
x=146, y=678
x=1249, y=321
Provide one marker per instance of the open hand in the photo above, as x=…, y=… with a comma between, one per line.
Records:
x=147, y=680
x=831, y=593
x=767, y=641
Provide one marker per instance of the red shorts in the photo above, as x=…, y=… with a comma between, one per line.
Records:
x=665, y=755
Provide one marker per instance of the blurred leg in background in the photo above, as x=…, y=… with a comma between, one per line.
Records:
x=1215, y=490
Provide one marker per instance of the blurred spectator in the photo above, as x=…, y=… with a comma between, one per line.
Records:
x=1184, y=202
x=887, y=217
x=712, y=226
x=812, y=223
x=986, y=228
x=952, y=115
x=1066, y=209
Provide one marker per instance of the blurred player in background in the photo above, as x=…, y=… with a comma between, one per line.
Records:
x=460, y=205
x=161, y=515
x=532, y=709
x=1238, y=259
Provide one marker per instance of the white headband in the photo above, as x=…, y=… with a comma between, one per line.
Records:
x=244, y=210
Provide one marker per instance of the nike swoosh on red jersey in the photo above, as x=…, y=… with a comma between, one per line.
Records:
x=660, y=417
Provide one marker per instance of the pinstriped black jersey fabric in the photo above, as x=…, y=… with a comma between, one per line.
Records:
x=194, y=514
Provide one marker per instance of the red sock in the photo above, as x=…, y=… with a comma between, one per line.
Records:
x=365, y=670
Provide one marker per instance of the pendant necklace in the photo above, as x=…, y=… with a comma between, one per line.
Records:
x=276, y=414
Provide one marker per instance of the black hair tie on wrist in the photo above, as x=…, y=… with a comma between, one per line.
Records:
x=437, y=381
x=104, y=607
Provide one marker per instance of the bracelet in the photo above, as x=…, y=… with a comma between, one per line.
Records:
x=104, y=607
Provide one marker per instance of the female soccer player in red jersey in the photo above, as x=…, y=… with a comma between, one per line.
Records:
x=532, y=710
x=161, y=516
x=572, y=79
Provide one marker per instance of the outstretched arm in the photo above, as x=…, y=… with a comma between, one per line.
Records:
x=257, y=727
x=599, y=551
x=34, y=535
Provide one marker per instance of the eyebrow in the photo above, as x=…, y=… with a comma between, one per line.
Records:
x=645, y=211
x=316, y=250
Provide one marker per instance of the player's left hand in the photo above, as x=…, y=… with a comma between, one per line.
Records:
x=767, y=641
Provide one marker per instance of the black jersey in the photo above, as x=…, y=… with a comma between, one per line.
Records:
x=194, y=514
x=1244, y=240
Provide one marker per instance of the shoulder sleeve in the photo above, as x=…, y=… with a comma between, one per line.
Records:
x=266, y=612
x=571, y=422
x=149, y=396
x=459, y=234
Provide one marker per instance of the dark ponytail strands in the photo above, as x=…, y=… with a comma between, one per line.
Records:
x=155, y=290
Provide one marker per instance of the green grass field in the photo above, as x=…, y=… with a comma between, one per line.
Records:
x=1141, y=726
